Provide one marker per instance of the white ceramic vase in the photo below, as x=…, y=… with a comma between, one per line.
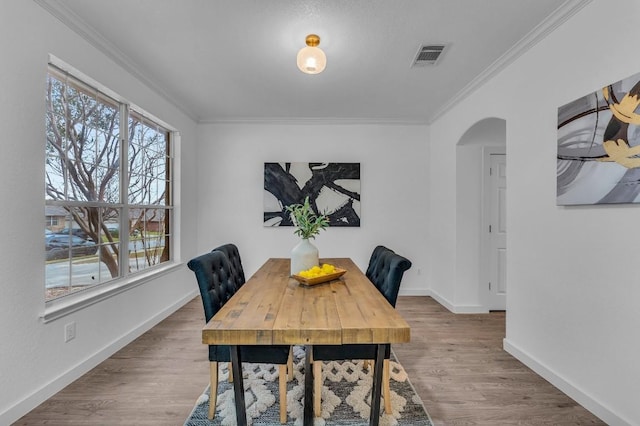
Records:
x=303, y=256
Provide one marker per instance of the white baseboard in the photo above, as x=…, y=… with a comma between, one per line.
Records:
x=45, y=392
x=458, y=309
x=414, y=292
x=565, y=386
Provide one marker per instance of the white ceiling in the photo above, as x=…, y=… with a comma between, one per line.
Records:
x=235, y=60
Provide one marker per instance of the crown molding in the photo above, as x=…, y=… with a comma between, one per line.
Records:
x=71, y=20
x=316, y=121
x=542, y=30
x=89, y=34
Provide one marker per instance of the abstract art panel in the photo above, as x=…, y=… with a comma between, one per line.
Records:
x=332, y=188
x=599, y=146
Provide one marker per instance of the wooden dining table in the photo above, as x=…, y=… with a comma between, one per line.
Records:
x=272, y=308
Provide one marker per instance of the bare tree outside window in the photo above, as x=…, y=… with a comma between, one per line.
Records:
x=108, y=184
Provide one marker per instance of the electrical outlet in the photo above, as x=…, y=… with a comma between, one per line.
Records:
x=70, y=331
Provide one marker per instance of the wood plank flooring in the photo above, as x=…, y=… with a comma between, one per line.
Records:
x=464, y=377
x=455, y=362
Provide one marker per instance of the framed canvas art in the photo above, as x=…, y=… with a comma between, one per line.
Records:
x=599, y=146
x=332, y=188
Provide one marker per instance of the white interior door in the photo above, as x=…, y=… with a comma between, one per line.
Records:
x=497, y=238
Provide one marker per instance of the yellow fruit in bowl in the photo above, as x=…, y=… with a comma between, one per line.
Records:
x=317, y=271
x=328, y=268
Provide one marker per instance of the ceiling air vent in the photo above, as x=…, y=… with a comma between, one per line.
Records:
x=429, y=54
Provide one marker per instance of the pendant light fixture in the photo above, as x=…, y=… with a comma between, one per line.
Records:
x=311, y=59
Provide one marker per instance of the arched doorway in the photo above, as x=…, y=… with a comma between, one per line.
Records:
x=480, y=260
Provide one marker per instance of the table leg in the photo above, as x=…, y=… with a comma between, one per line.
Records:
x=238, y=385
x=377, y=386
x=308, y=387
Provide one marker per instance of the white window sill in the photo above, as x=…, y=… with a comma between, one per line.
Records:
x=66, y=305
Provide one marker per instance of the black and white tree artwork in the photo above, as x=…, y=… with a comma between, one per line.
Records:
x=333, y=189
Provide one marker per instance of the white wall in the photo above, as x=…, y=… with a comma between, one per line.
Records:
x=34, y=360
x=394, y=188
x=573, y=290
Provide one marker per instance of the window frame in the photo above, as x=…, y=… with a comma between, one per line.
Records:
x=57, y=307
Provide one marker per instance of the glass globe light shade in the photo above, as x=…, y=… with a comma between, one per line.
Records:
x=311, y=60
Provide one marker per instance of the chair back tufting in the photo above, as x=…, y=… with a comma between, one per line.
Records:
x=233, y=254
x=215, y=279
x=385, y=271
x=375, y=257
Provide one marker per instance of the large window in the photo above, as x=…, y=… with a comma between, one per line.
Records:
x=107, y=188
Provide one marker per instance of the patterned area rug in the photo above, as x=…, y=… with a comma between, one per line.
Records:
x=346, y=396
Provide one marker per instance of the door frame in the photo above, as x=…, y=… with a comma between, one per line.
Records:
x=485, y=244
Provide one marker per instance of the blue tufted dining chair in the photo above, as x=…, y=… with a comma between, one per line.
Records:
x=215, y=279
x=233, y=254
x=385, y=271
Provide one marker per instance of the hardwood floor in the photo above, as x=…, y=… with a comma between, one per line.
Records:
x=464, y=377
x=155, y=380
x=455, y=362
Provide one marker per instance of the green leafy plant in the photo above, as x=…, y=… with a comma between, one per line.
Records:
x=308, y=223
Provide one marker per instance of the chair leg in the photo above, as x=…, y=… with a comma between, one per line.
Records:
x=317, y=388
x=213, y=388
x=386, y=390
x=290, y=365
x=283, y=393
x=230, y=373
